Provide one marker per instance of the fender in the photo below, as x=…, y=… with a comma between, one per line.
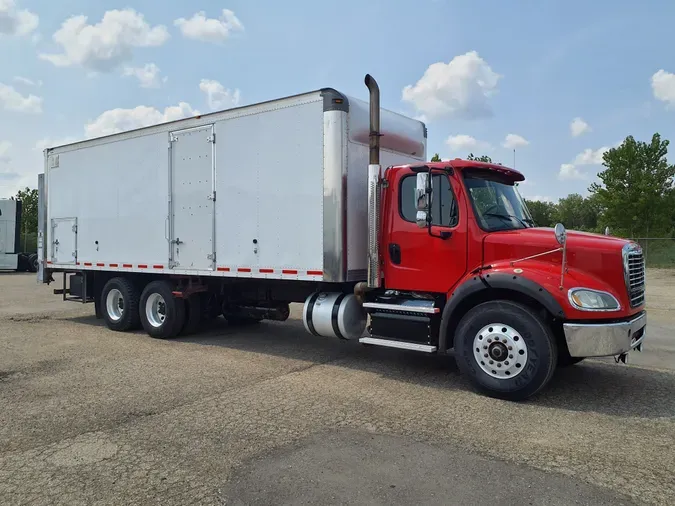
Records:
x=501, y=281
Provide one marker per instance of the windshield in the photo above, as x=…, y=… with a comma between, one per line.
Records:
x=496, y=201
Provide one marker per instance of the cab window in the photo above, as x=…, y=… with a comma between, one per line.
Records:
x=443, y=203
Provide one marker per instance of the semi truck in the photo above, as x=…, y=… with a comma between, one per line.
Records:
x=11, y=256
x=327, y=200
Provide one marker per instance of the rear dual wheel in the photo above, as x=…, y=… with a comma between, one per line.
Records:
x=506, y=350
x=162, y=314
x=119, y=305
x=156, y=309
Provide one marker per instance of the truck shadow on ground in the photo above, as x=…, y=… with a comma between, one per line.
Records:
x=592, y=386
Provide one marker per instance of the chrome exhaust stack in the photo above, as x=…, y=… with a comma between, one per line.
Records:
x=374, y=278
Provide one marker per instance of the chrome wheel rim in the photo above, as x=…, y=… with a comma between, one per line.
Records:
x=500, y=351
x=155, y=310
x=114, y=304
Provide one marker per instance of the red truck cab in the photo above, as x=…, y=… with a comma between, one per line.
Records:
x=464, y=266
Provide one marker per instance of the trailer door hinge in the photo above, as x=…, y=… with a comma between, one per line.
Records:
x=75, y=229
x=211, y=256
x=212, y=196
x=211, y=138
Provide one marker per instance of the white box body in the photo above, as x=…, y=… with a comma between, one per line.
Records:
x=272, y=190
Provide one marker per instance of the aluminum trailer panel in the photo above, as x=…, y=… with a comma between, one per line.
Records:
x=273, y=190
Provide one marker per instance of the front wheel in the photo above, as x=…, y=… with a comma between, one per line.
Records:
x=505, y=349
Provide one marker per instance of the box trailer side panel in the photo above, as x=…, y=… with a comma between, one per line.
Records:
x=108, y=204
x=273, y=190
x=402, y=141
x=269, y=206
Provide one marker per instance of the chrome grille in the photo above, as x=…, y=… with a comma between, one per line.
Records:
x=635, y=277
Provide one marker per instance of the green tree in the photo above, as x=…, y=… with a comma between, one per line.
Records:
x=543, y=213
x=636, y=193
x=578, y=213
x=569, y=211
x=29, y=218
x=436, y=158
x=481, y=158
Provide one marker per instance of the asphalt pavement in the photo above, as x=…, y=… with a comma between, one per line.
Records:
x=272, y=415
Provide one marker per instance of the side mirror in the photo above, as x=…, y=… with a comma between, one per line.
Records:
x=560, y=234
x=423, y=199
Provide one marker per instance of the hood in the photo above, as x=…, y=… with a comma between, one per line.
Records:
x=594, y=255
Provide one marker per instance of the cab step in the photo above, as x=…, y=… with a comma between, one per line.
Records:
x=403, y=345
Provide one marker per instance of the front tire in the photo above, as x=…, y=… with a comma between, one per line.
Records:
x=506, y=350
x=162, y=314
x=119, y=305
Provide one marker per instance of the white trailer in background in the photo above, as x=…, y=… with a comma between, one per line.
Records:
x=11, y=256
x=238, y=212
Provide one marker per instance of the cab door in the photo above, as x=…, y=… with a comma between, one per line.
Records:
x=429, y=259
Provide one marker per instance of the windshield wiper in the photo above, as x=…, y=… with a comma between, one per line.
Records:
x=508, y=217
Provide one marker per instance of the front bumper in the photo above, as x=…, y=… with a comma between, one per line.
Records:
x=605, y=339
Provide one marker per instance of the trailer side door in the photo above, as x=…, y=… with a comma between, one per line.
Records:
x=192, y=196
x=64, y=240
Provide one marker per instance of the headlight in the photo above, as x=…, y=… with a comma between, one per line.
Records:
x=586, y=299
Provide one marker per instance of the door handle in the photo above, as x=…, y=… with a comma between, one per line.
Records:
x=395, y=253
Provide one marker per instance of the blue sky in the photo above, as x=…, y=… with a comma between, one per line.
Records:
x=476, y=71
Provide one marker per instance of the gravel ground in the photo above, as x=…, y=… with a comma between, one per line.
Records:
x=271, y=415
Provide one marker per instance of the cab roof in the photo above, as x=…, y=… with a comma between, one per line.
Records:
x=459, y=164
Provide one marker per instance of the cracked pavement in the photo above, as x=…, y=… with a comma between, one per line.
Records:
x=270, y=414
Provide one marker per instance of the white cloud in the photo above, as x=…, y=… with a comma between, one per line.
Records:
x=663, y=86
x=590, y=156
x=219, y=97
x=570, y=171
x=26, y=81
x=200, y=27
x=107, y=44
x=465, y=142
x=4, y=151
x=587, y=157
x=148, y=75
x=579, y=127
x=459, y=89
x=513, y=141
x=12, y=100
x=119, y=120
x=540, y=198
x=15, y=21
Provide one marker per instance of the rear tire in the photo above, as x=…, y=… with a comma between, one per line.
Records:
x=33, y=262
x=119, y=305
x=22, y=264
x=521, y=349
x=162, y=314
x=193, y=314
x=210, y=305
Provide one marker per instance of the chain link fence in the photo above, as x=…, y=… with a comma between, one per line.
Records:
x=659, y=252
